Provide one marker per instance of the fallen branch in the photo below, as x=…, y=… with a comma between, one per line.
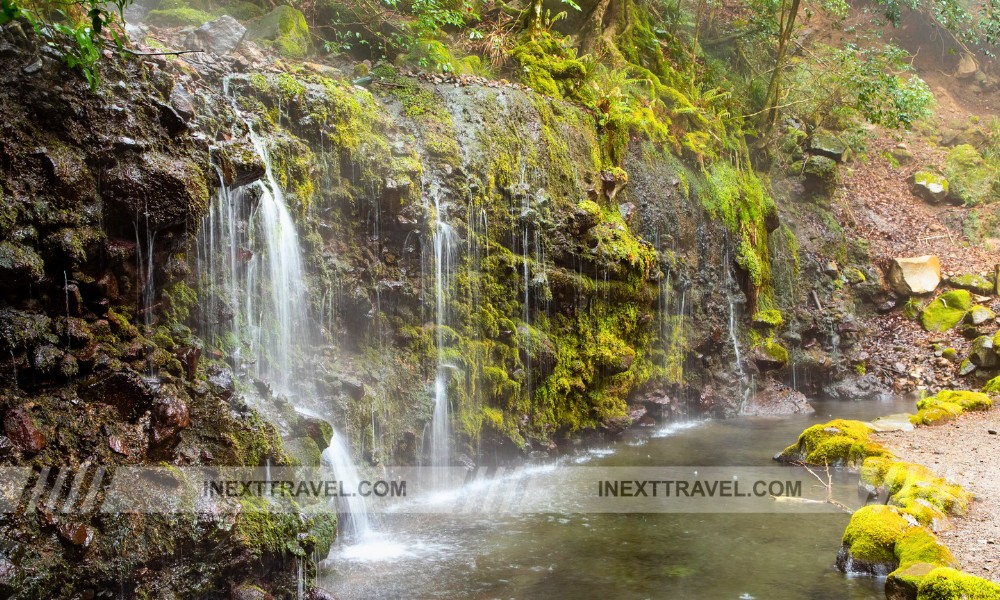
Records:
x=174, y=53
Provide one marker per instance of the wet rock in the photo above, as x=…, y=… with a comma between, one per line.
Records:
x=19, y=266
x=20, y=330
x=46, y=359
x=902, y=584
x=240, y=163
x=77, y=534
x=317, y=429
x=929, y=187
x=21, y=430
x=170, y=415
x=217, y=37
x=124, y=390
x=774, y=398
x=827, y=144
x=181, y=101
x=189, y=356
x=117, y=444
x=916, y=275
x=318, y=594
x=171, y=120
x=982, y=354
x=220, y=380
x=967, y=66
x=250, y=592
x=352, y=386
x=166, y=188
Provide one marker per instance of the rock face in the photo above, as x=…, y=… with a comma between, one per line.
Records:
x=914, y=276
x=217, y=37
x=929, y=187
x=776, y=399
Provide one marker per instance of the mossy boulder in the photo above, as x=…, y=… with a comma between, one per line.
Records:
x=839, y=442
x=284, y=29
x=821, y=174
x=869, y=542
x=929, y=187
x=827, y=144
x=770, y=354
x=914, y=489
x=946, y=311
x=880, y=540
x=217, y=37
x=979, y=315
x=984, y=352
x=19, y=265
x=178, y=17
x=946, y=583
x=992, y=386
x=974, y=180
x=947, y=405
x=972, y=282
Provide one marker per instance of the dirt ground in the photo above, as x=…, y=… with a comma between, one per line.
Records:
x=965, y=452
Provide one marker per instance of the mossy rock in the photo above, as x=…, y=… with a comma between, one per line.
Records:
x=549, y=66
x=946, y=311
x=974, y=180
x=929, y=186
x=769, y=354
x=854, y=275
x=992, y=386
x=945, y=583
x=821, y=173
x=828, y=144
x=178, y=17
x=983, y=352
x=839, y=442
x=767, y=319
x=915, y=489
x=948, y=405
x=869, y=542
x=972, y=282
x=19, y=265
x=979, y=315
x=284, y=29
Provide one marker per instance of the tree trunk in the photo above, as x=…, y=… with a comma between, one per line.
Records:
x=785, y=30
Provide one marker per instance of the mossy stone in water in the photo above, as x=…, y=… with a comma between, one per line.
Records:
x=945, y=583
x=915, y=489
x=947, y=405
x=838, y=442
x=870, y=540
x=946, y=311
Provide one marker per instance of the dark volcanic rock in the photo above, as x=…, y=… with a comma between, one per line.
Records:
x=22, y=431
x=125, y=390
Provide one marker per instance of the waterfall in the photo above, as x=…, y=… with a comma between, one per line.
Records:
x=254, y=293
x=444, y=244
x=338, y=458
x=745, y=390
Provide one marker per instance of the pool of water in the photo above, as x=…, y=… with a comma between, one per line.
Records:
x=604, y=555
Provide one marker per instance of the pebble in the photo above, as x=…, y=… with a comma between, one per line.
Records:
x=33, y=67
x=991, y=431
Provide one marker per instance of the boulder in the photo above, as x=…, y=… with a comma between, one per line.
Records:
x=916, y=275
x=828, y=144
x=170, y=415
x=902, y=583
x=967, y=66
x=22, y=431
x=929, y=187
x=946, y=311
x=821, y=174
x=974, y=283
x=124, y=390
x=982, y=353
x=217, y=37
x=284, y=29
x=774, y=398
x=20, y=266
x=979, y=315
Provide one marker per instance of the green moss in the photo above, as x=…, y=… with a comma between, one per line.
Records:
x=774, y=350
x=945, y=583
x=872, y=534
x=178, y=299
x=920, y=545
x=263, y=528
x=284, y=29
x=548, y=64
x=973, y=180
x=178, y=17
x=915, y=489
x=947, y=405
x=837, y=442
x=992, y=386
x=946, y=311
x=972, y=282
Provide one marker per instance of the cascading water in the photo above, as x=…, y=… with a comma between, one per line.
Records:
x=254, y=285
x=338, y=458
x=745, y=389
x=444, y=245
